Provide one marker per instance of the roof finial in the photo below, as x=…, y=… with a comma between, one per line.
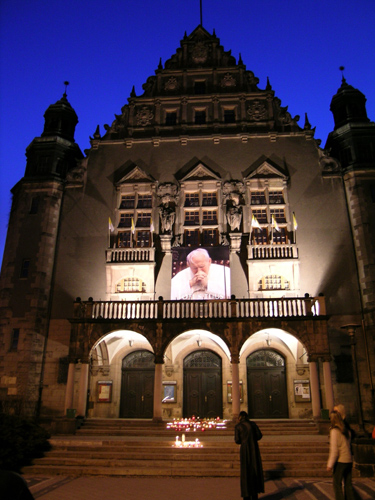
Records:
x=66, y=86
x=200, y=1
x=341, y=68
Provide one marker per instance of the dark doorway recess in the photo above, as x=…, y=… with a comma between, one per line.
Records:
x=266, y=384
x=137, y=385
x=203, y=385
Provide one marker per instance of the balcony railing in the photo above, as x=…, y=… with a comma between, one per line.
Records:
x=213, y=309
x=120, y=255
x=261, y=252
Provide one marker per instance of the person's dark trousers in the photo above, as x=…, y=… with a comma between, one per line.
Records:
x=343, y=472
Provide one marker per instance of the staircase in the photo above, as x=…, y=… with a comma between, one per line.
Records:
x=289, y=448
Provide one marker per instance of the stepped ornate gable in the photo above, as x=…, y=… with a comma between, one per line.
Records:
x=104, y=311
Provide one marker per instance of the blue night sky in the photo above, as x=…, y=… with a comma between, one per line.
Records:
x=103, y=48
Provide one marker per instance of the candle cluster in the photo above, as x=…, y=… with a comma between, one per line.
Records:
x=186, y=444
x=196, y=424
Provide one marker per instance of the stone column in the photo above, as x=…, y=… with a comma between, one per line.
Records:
x=82, y=390
x=314, y=382
x=235, y=388
x=158, y=412
x=328, y=385
x=69, y=393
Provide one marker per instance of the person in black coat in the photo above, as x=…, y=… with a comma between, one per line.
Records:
x=247, y=434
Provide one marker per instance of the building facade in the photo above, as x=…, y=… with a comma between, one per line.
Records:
x=105, y=310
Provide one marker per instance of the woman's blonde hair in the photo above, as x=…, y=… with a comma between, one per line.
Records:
x=338, y=423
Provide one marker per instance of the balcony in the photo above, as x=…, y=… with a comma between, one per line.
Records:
x=297, y=307
x=125, y=255
x=265, y=252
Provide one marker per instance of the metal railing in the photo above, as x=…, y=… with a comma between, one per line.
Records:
x=294, y=307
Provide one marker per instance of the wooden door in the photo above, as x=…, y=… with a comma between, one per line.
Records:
x=266, y=384
x=137, y=385
x=202, y=385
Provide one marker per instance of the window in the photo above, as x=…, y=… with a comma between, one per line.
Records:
x=127, y=201
x=209, y=217
x=276, y=197
x=144, y=219
x=125, y=220
x=280, y=237
x=34, y=205
x=14, y=339
x=171, y=118
x=192, y=200
x=258, y=198
x=143, y=239
x=123, y=240
x=200, y=87
x=273, y=282
x=192, y=218
x=192, y=238
x=229, y=116
x=133, y=284
x=279, y=214
x=260, y=236
x=62, y=374
x=344, y=368
x=209, y=200
x=144, y=201
x=200, y=117
x=260, y=215
x=25, y=269
x=209, y=237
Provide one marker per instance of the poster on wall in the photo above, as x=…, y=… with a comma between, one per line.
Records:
x=104, y=391
x=169, y=392
x=229, y=391
x=200, y=273
x=302, y=391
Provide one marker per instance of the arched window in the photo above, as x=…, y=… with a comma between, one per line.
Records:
x=265, y=358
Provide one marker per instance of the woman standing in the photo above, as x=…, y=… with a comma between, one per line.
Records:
x=247, y=434
x=340, y=457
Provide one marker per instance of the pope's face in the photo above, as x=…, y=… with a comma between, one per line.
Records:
x=199, y=262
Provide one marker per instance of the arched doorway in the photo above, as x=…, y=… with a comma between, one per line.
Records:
x=202, y=385
x=266, y=384
x=137, y=385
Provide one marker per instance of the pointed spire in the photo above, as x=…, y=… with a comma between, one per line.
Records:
x=268, y=86
x=307, y=125
x=160, y=65
x=240, y=59
x=97, y=133
x=132, y=93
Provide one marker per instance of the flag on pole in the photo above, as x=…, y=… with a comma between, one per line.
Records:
x=133, y=227
x=295, y=223
x=110, y=225
x=255, y=223
x=275, y=224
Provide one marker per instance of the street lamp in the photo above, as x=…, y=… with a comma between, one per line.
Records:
x=351, y=328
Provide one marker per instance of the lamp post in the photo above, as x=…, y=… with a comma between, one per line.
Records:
x=351, y=328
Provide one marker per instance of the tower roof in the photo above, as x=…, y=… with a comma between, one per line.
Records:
x=60, y=120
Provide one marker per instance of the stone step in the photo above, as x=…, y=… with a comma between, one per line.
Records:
x=143, y=448
x=276, y=472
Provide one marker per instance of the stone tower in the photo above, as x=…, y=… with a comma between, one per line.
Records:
x=352, y=143
x=29, y=257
